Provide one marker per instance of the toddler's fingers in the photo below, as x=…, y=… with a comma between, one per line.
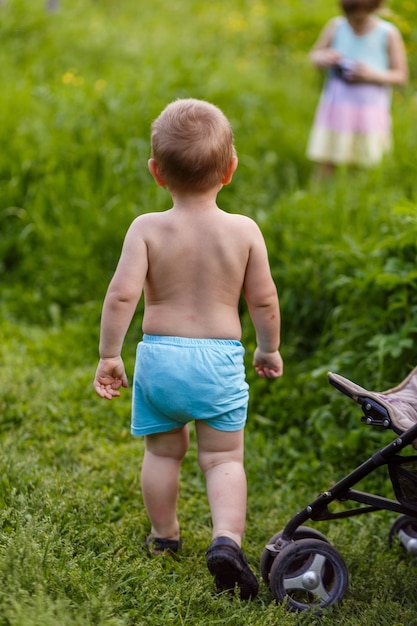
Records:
x=106, y=391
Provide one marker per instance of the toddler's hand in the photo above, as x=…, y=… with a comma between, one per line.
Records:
x=110, y=376
x=268, y=364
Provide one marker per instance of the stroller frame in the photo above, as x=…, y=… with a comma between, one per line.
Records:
x=298, y=563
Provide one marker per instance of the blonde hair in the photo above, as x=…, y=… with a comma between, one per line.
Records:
x=192, y=144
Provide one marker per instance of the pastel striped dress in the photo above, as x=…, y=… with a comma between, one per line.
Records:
x=352, y=125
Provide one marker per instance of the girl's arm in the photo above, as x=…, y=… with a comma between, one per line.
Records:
x=396, y=75
x=322, y=54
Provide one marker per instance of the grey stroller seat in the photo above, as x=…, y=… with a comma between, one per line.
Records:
x=400, y=402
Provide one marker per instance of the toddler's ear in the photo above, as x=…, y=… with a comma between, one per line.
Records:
x=230, y=170
x=154, y=170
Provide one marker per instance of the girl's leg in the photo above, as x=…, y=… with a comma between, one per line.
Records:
x=324, y=171
x=220, y=456
x=164, y=453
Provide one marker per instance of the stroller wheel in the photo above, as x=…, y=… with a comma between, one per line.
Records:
x=308, y=574
x=268, y=557
x=405, y=528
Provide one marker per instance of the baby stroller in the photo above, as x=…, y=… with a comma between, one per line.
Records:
x=298, y=564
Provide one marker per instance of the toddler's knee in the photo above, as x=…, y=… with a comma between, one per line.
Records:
x=209, y=460
x=173, y=444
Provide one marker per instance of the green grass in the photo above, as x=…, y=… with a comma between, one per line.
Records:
x=73, y=524
x=78, y=90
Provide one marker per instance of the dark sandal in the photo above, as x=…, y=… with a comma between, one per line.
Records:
x=159, y=545
x=227, y=563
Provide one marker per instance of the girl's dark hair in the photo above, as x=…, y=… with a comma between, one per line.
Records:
x=350, y=6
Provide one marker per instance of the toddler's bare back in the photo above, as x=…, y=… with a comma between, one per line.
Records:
x=198, y=262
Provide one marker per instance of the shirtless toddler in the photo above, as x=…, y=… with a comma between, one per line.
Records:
x=192, y=262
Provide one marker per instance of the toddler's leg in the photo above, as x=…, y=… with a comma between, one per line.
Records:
x=221, y=459
x=164, y=453
x=220, y=455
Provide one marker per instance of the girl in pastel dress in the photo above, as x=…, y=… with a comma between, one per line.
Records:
x=363, y=56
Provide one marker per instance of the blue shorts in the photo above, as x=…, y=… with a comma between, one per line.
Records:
x=178, y=380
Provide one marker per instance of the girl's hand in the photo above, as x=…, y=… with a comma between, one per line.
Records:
x=361, y=73
x=325, y=58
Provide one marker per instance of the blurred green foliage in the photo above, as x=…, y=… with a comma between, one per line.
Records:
x=79, y=88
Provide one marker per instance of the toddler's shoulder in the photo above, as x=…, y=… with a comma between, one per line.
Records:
x=145, y=224
x=246, y=229
x=149, y=219
x=242, y=221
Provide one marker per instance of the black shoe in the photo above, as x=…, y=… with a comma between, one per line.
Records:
x=226, y=561
x=159, y=545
